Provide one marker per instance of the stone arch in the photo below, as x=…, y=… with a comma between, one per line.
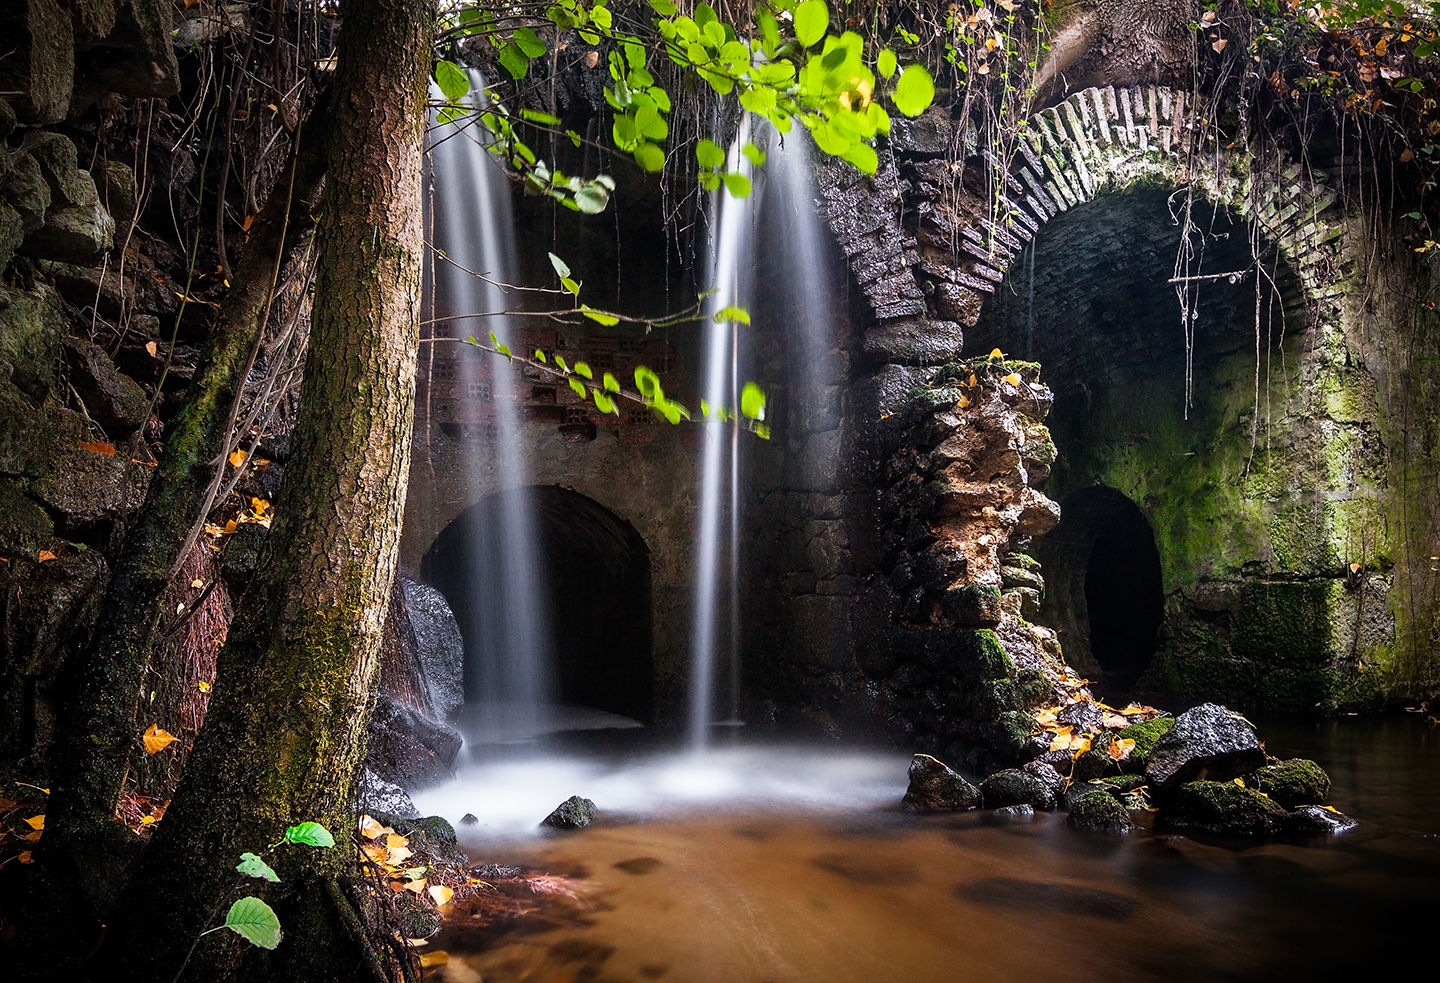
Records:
x=596, y=575
x=1103, y=140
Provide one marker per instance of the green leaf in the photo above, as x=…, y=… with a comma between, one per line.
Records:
x=915, y=90
x=753, y=154
x=562, y=269
x=862, y=156
x=583, y=369
x=752, y=401
x=762, y=430
x=647, y=383
x=539, y=356
x=513, y=60
x=737, y=184
x=812, y=20
x=650, y=157
x=313, y=834
x=560, y=363
x=529, y=42
x=535, y=116
x=665, y=8
x=728, y=314
x=452, y=79
x=255, y=921
x=610, y=383
x=592, y=199
x=604, y=403
x=600, y=17
x=886, y=63
x=578, y=386
x=252, y=866
x=599, y=316
x=570, y=285
x=709, y=154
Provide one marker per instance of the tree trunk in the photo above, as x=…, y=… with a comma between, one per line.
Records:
x=102, y=730
x=286, y=727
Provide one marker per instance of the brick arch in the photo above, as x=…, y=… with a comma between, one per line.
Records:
x=1106, y=140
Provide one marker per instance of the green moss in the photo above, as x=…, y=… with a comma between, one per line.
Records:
x=1301, y=539
x=1294, y=783
x=981, y=652
x=1224, y=807
x=1144, y=734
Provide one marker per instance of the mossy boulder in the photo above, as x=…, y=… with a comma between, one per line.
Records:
x=972, y=606
x=1293, y=783
x=935, y=787
x=1013, y=787
x=574, y=813
x=1207, y=739
x=1224, y=807
x=1144, y=734
x=1098, y=812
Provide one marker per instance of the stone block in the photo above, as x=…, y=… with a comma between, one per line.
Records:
x=40, y=65
x=913, y=342
x=25, y=528
x=972, y=606
x=12, y=233
x=32, y=323
x=112, y=399
x=27, y=191
x=86, y=487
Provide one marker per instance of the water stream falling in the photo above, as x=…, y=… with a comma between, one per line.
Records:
x=509, y=684
x=779, y=214
x=717, y=566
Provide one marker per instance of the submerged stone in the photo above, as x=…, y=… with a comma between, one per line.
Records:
x=935, y=787
x=1209, y=739
x=1098, y=812
x=573, y=813
x=1294, y=783
x=1015, y=787
x=1224, y=807
x=1022, y=811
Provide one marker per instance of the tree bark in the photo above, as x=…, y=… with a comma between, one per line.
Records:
x=286, y=726
x=103, y=730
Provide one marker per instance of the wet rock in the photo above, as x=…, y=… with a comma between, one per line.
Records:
x=1208, y=738
x=1094, y=763
x=1293, y=783
x=1013, y=787
x=1145, y=734
x=12, y=233
x=1098, y=812
x=91, y=288
x=913, y=342
x=1085, y=716
x=932, y=133
x=1023, y=810
x=573, y=813
x=88, y=486
x=430, y=835
x=934, y=787
x=112, y=399
x=408, y=748
x=30, y=353
x=417, y=919
x=377, y=796
x=439, y=648
x=496, y=872
x=1318, y=819
x=76, y=234
x=1061, y=761
x=1223, y=807
x=1047, y=776
x=201, y=25
x=27, y=192
x=116, y=182
x=972, y=606
x=25, y=528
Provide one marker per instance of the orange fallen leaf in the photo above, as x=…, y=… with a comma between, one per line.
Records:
x=32, y=837
x=7, y=804
x=231, y=526
x=995, y=353
x=152, y=349
x=370, y=827
x=203, y=686
x=98, y=447
x=418, y=886
x=964, y=402
x=26, y=857
x=1013, y=378
x=1120, y=750
x=157, y=739
x=237, y=458
x=396, y=855
x=441, y=893
x=373, y=852
x=395, y=840
x=44, y=555
x=36, y=822
x=1219, y=45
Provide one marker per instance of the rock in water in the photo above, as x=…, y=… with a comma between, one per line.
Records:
x=934, y=787
x=1318, y=819
x=1209, y=739
x=439, y=649
x=1292, y=783
x=573, y=813
x=1098, y=812
x=1224, y=807
x=1015, y=787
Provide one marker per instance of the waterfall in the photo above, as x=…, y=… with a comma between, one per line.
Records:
x=781, y=214
x=509, y=686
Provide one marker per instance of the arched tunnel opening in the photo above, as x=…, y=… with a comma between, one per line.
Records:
x=1105, y=589
x=1169, y=329
x=593, y=582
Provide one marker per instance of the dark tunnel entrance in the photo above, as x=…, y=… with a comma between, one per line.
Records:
x=594, y=578
x=1105, y=593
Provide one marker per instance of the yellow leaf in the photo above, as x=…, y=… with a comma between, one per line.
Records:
x=147, y=820
x=197, y=583
x=230, y=527
x=1120, y=750
x=995, y=353
x=151, y=349
x=417, y=886
x=249, y=219
x=157, y=739
x=1240, y=782
x=36, y=822
x=374, y=852
x=44, y=555
x=972, y=381
x=395, y=840
x=203, y=686
x=396, y=854
x=1113, y=719
x=213, y=530
x=26, y=857
x=1013, y=378
x=370, y=827
x=439, y=957
x=964, y=401
x=1061, y=741
x=1079, y=744
x=237, y=458
x=441, y=893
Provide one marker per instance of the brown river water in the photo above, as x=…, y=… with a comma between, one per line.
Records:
x=808, y=890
